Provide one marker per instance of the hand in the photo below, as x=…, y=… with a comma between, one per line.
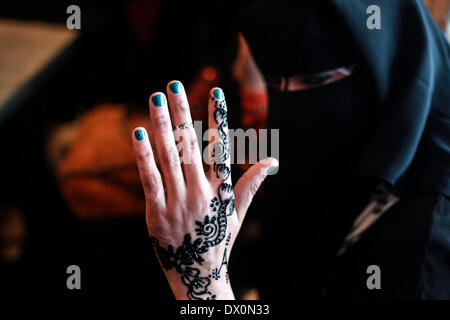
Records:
x=193, y=217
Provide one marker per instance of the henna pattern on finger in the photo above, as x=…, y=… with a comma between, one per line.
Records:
x=223, y=170
x=212, y=230
x=221, y=118
x=221, y=149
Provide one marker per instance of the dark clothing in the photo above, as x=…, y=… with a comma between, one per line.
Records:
x=409, y=244
x=389, y=121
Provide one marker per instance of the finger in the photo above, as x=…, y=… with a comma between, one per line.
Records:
x=166, y=149
x=249, y=183
x=148, y=171
x=219, y=151
x=184, y=133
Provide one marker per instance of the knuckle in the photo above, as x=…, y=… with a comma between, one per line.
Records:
x=192, y=144
x=253, y=185
x=188, y=143
x=254, y=188
x=143, y=156
x=182, y=107
x=174, y=215
x=248, y=198
x=152, y=185
x=157, y=224
x=201, y=198
x=153, y=206
x=162, y=121
x=197, y=200
x=171, y=158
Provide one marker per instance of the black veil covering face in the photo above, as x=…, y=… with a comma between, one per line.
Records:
x=316, y=151
x=339, y=140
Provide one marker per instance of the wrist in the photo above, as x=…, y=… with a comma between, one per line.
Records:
x=193, y=276
x=199, y=284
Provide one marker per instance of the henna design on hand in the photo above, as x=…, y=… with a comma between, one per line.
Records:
x=211, y=230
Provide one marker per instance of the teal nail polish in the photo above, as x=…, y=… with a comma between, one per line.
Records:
x=218, y=94
x=139, y=134
x=271, y=171
x=159, y=100
x=176, y=87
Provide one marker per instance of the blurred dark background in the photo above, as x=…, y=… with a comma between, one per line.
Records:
x=124, y=51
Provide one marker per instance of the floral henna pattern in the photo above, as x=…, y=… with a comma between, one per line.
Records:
x=197, y=285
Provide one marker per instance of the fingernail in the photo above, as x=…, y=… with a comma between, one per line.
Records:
x=271, y=171
x=139, y=134
x=218, y=93
x=176, y=87
x=159, y=100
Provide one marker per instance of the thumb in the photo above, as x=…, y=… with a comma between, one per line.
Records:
x=249, y=183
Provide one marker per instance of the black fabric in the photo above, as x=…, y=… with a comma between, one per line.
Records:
x=301, y=37
x=329, y=133
x=407, y=246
